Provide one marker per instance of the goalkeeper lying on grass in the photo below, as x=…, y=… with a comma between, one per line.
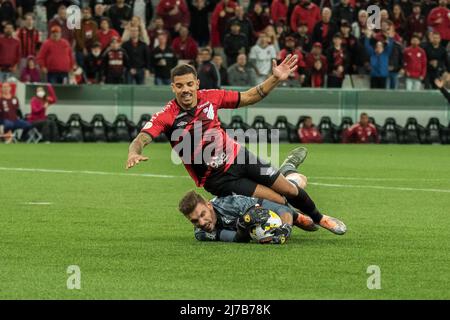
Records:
x=232, y=217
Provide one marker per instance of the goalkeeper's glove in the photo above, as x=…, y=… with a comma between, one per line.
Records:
x=278, y=235
x=254, y=216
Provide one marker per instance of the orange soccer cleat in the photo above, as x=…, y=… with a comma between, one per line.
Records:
x=333, y=225
x=305, y=223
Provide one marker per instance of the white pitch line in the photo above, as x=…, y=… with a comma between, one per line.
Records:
x=39, y=203
x=104, y=173
x=378, y=179
x=332, y=185
x=376, y=187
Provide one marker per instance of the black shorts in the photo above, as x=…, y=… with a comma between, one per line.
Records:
x=243, y=178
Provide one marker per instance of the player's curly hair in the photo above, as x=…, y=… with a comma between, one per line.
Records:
x=189, y=202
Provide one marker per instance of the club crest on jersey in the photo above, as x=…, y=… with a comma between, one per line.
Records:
x=148, y=125
x=209, y=112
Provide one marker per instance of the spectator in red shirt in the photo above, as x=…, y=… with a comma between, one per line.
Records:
x=308, y=132
x=9, y=106
x=414, y=64
x=416, y=22
x=174, y=13
x=29, y=39
x=184, y=45
x=362, y=132
x=106, y=33
x=439, y=20
x=38, y=118
x=316, y=66
x=279, y=10
x=9, y=53
x=61, y=20
x=305, y=12
x=55, y=57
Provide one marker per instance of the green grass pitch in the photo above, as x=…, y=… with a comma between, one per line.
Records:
x=124, y=232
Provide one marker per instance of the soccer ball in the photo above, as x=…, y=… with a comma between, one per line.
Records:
x=261, y=233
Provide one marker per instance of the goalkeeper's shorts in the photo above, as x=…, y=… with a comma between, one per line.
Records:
x=242, y=178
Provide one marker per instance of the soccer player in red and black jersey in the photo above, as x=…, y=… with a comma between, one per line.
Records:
x=213, y=159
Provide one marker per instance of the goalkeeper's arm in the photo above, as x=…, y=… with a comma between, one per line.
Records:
x=135, y=150
x=222, y=235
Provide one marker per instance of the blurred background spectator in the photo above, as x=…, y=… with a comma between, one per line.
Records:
x=361, y=132
x=308, y=133
x=163, y=59
x=114, y=62
x=55, y=57
x=30, y=73
x=339, y=26
x=241, y=73
x=10, y=53
x=261, y=56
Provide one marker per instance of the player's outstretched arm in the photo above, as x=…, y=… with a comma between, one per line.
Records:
x=279, y=73
x=135, y=150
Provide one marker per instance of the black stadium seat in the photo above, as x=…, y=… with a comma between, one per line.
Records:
x=327, y=129
x=61, y=125
x=76, y=127
x=390, y=132
x=101, y=130
x=435, y=132
x=346, y=123
x=284, y=128
x=124, y=129
x=237, y=124
x=261, y=129
x=413, y=132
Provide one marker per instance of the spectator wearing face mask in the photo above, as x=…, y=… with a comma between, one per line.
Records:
x=93, y=64
x=38, y=117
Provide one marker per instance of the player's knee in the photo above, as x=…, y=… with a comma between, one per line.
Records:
x=298, y=179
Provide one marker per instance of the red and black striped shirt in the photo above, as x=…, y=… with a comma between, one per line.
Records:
x=29, y=41
x=196, y=135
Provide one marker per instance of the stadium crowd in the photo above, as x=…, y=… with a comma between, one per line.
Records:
x=229, y=42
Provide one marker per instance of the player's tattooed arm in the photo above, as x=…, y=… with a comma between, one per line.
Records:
x=279, y=73
x=135, y=150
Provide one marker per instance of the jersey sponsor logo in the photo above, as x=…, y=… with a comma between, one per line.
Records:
x=181, y=124
x=217, y=161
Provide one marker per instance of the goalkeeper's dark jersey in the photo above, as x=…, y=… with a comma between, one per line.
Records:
x=228, y=210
